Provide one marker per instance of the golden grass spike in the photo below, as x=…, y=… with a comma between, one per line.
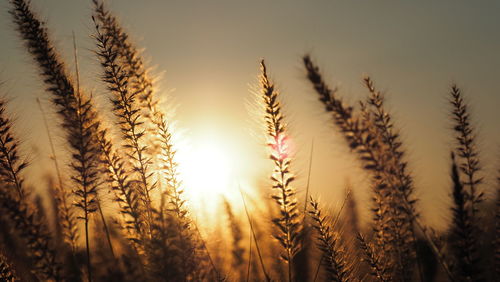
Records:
x=466, y=147
x=237, y=236
x=15, y=206
x=400, y=181
x=467, y=196
x=360, y=136
x=333, y=255
x=463, y=230
x=79, y=117
x=141, y=87
x=375, y=261
x=34, y=234
x=11, y=165
x=130, y=119
x=121, y=184
x=359, y=132
x=287, y=223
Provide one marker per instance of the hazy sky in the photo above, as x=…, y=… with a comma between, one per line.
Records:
x=207, y=54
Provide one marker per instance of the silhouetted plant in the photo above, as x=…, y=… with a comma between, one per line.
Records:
x=14, y=205
x=237, y=250
x=129, y=117
x=154, y=236
x=370, y=134
x=79, y=118
x=466, y=195
x=401, y=202
x=10, y=163
x=288, y=221
x=375, y=261
x=333, y=253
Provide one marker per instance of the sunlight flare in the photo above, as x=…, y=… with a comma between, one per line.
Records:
x=207, y=169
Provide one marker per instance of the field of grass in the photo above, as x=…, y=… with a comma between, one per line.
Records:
x=147, y=232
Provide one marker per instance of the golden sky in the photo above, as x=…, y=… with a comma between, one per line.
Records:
x=206, y=55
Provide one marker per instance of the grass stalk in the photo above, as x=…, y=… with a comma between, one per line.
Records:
x=285, y=197
x=212, y=264
x=105, y=227
x=79, y=118
x=268, y=278
x=137, y=88
x=15, y=206
x=377, y=265
x=126, y=110
x=236, y=235
x=249, y=255
x=309, y=169
x=121, y=184
x=65, y=212
x=401, y=182
x=360, y=137
x=466, y=195
x=463, y=228
x=10, y=163
x=333, y=254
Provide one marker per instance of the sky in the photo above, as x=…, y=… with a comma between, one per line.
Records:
x=206, y=55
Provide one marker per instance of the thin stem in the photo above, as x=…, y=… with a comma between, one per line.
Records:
x=51, y=143
x=318, y=268
x=217, y=273
x=87, y=246
x=249, y=257
x=337, y=217
x=67, y=214
x=77, y=69
x=83, y=165
x=309, y=176
x=105, y=226
x=254, y=237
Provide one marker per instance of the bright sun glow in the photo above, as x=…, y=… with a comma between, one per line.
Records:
x=207, y=172
x=207, y=169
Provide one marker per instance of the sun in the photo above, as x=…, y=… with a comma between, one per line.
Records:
x=207, y=171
